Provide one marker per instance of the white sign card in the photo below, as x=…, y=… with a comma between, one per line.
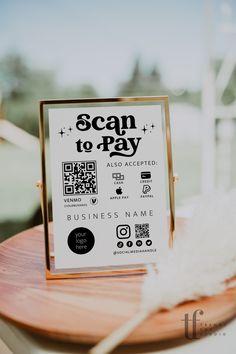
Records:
x=109, y=185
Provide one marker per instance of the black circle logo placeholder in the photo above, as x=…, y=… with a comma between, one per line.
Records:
x=81, y=240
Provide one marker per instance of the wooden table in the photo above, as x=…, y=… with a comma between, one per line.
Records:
x=23, y=342
x=86, y=310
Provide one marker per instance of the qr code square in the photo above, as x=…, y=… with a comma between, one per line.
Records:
x=141, y=230
x=79, y=177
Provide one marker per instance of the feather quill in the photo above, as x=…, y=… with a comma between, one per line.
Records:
x=202, y=260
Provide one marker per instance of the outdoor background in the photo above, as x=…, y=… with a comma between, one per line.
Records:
x=104, y=48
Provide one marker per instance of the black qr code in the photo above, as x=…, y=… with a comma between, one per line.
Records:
x=141, y=230
x=79, y=177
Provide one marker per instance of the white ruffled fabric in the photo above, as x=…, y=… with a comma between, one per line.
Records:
x=203, y=257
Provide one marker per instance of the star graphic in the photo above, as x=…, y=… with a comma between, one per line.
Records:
x=144, y=129
x=61, y=132
x=70, y=129
x=152, y=126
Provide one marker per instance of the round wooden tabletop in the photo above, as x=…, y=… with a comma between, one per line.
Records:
x=87, y=309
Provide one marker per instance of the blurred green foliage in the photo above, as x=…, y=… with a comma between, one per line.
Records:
x=22, y=87
x=149, y=82
x=229, y=94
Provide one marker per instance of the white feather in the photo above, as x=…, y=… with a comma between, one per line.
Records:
x=203, y=257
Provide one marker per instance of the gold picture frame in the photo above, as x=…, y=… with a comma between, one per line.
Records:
x=49, y=254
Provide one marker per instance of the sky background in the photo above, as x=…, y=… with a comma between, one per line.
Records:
x=97, y=41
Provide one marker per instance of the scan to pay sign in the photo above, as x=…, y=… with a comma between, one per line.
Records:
x=108, y=179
